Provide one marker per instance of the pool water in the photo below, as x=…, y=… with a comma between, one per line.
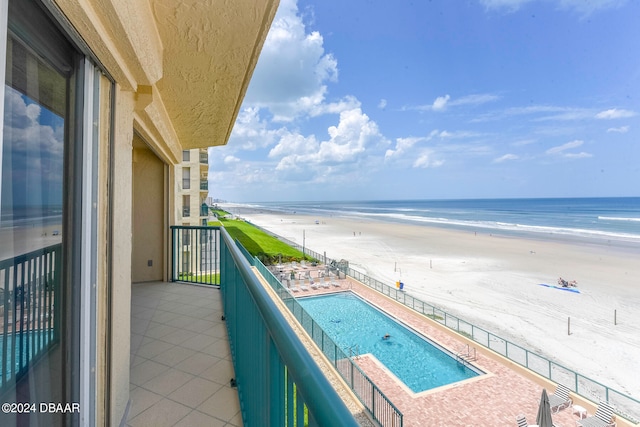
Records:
x=353, y=323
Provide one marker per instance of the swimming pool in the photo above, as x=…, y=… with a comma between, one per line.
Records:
x=353, y=323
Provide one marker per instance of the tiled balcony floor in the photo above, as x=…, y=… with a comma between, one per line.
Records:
x=180, y=360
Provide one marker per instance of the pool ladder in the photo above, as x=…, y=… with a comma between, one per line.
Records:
x=354, y=354
x=466, y=355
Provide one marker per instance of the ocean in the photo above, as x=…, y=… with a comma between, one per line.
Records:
x=613, y=219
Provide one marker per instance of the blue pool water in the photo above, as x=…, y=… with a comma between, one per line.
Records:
x=349, y=321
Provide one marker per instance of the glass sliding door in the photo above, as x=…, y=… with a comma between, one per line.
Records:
x=47, y=224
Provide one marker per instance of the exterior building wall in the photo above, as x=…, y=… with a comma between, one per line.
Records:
x=170, y=103
x=149, y=200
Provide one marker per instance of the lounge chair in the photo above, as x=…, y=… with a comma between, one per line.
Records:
x=521, y=420
x=604, y=417
x=325, y=283
x=303, y=287
x=560, y=399
x=313, y=284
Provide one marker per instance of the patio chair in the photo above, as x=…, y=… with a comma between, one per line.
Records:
x=521, y=420
x=604, y=417
x=560, y=399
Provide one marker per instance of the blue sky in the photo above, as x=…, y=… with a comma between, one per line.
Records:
x=373, y=99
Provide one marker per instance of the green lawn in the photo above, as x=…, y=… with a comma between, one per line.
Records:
x=212, y=278
x=266, y=247
x=219, y=212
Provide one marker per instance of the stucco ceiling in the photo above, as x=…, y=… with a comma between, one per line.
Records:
x=210, y=48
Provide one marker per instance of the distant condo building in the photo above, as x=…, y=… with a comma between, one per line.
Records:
x=192, y=188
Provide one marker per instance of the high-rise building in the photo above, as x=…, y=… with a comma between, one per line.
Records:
x=192, y=188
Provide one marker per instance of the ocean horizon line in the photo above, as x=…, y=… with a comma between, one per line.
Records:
x=585, y=219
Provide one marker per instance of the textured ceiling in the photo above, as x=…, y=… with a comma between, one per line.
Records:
x=210, y=48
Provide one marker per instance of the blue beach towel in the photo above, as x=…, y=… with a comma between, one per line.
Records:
x=574, y=290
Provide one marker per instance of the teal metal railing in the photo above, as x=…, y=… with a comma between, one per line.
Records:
x=625, y=406
x=279, y=384
x=29, y=311
x=195, y=254
x=378, y=405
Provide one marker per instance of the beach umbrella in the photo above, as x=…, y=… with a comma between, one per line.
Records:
x=544, y=411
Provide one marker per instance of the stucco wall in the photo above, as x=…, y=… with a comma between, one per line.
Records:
x=121, y=273
x=148, y=214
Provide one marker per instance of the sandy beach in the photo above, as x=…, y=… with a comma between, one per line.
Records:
x=493, y=282
x=20, y=240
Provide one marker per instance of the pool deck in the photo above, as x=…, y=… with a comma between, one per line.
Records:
x=493, y=399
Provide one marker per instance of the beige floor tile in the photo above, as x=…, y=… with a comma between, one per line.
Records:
x=141, y=400
x=168, y=381
x=145, y=371
x=174, y=355
x=198, y=419
x=194, y=392
x=160, y=331
x=178, y=337
x=220, y=373
x=197, y=363
x=198, y=342
x=164, y=413
x=153, y=348
x=219, y=349
x=223, y=404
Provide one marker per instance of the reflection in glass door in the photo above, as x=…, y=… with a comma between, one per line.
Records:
x=36, y=345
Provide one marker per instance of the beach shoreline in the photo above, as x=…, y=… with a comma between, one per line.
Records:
x=492, y=280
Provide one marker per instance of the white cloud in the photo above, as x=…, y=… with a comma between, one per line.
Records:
x=580, y=155
x=581, y=7
x=476, y=99
x=505, y=158
x=403, y=145
x=382, y=104
x=231, y=160
x=510, y=5
x=539, y=113
x=560, y=150
x=426, y=160
x=293, y=70
x=614, y=113
x=622, y=129
x=347, y=144
x=564, y=147
x=440, y=103
x=250, y=131
x=348, y=103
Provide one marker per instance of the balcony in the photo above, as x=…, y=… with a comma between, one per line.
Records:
x=186, y=211
x=204, y=158
x=274, y=372
x=204, y=185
